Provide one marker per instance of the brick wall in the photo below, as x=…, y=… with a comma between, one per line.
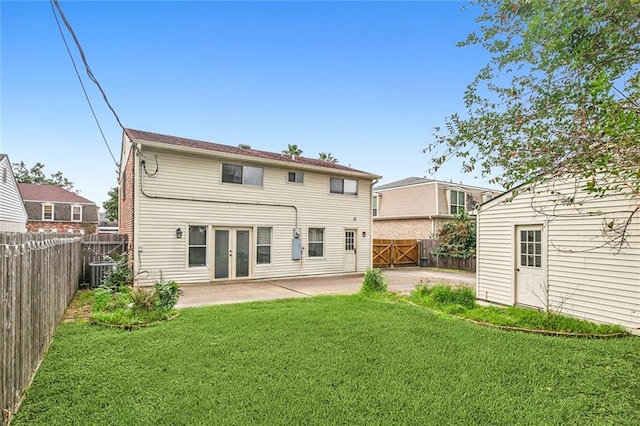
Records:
x=405, y=229
x=61, y=227
x=127, y=201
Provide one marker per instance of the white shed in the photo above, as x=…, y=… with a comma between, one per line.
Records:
x=557, y=247
x=13, y=216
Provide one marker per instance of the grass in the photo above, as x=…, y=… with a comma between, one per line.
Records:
x=329, y=360
x=460, y=301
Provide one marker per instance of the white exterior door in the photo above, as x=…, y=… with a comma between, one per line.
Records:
x=350, y=250
x=232, y=253
x=530, y=283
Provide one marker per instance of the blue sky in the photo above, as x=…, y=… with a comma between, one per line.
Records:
x=366, y=81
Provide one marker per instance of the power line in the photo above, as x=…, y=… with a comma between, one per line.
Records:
x=82, y=85
x=84, y=61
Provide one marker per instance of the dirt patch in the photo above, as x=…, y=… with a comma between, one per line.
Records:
x=80, y=307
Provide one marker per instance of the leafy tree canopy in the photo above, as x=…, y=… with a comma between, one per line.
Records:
x=457, y=237
x=36, y=175
x=560, y=96
x=111, y=205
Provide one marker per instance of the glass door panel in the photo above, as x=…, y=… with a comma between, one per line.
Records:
x=221, y=262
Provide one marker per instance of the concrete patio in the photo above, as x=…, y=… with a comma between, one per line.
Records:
x=402, y=280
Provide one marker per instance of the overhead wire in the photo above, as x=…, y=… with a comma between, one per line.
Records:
x=84, y=61
x=84, y=90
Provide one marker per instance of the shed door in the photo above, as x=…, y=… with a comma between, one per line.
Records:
x=350, y=250
x=530, y=286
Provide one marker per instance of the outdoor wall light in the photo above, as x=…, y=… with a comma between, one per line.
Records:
x=364, y=234
x=178, y=233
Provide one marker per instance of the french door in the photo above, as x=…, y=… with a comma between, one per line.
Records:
x=232, y=253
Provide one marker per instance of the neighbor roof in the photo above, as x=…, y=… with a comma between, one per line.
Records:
x=52, y=193
x=2, y=156
x=228, y=149
x=404, y=182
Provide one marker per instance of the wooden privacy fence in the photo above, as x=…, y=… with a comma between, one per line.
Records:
x=395, y=253
x=98, y=247
x=39, y=274
x=426, y=259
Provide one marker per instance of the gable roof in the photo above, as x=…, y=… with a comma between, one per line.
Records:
x=52, y=193
x=228, y=149
x=404, y=182
x=2, y=156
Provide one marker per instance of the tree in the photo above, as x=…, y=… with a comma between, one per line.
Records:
x=560, y=97
x=111, y=205
x=329, y=158
x=293, y=150
x=36, y=175
x=457, y=237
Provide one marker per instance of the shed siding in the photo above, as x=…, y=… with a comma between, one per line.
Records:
x=199, y=178
x=13, y=216
x=585, y=279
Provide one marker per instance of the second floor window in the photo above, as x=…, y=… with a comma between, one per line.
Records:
x=76, y=213
x=47, y=212
x=245, y=175
x=375, y=205
x=457, y=202
x=296, y=177
x=343, y=186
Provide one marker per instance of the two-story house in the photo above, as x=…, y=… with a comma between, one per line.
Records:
x=51, y=208
x=13, y=216
x=416, y=208
x=199, y=212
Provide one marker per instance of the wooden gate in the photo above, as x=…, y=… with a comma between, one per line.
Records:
x=395, y=253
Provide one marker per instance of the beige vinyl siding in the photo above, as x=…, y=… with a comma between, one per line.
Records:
x=199, y=177
x=13, y=216
x=414, y=200
x=584, y=280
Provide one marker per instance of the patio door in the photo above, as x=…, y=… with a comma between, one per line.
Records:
x=350, y=250
x=530, y=283
x=232, y=253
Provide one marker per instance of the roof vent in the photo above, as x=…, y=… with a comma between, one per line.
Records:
x=244, y=146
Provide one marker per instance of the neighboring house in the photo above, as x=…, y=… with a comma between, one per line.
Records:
x=51, y=208
x=416, y=208
x=547, y=249
x=13, y=216
x=199, y=212
x=107, y=226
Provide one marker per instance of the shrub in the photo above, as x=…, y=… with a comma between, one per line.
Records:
x=120, y=276
x=445, y=295
x=101, y=298
x=374, y=281
x=167, y=293
x=144, y=300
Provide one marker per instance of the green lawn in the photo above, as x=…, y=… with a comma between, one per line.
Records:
x=329, y=360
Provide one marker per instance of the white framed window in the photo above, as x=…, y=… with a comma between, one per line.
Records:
x=4, y=175
x=244, y=175
x=47, y=212
x=197, y=246
x=457, y=204
x=76, y=213
x=316, y=242
x=263, y=245
x=343, y=186
x=375, y=205
x=295, y=177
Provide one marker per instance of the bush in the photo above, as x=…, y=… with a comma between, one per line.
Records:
x=168, y=293
x=454, y=298
x=120, y=276
x=144, y=300
x=101, y=299
x=374, y=281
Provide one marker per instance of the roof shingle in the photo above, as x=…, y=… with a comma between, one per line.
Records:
x=52, y=193
x=210, y=146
